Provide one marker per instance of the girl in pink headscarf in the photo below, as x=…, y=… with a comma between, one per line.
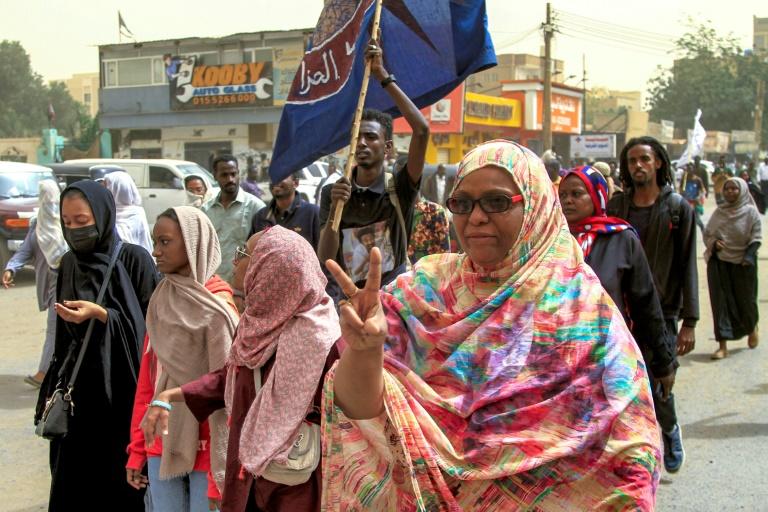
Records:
x=272, y=382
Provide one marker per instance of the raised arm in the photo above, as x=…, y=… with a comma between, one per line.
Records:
x=412, y=115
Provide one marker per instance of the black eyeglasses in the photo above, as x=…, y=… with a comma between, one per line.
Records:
x=495, y=203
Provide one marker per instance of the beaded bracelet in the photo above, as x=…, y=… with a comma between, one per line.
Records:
x=160, y=403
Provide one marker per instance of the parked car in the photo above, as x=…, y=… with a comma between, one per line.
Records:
x=160, y=181
x=68, y=174
x=18, y=203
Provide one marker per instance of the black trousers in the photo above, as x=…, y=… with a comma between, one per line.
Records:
x=665, y=409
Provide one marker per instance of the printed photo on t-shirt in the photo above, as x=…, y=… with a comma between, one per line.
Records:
x=357, y=246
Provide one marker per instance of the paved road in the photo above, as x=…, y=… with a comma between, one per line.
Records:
x=721, y=405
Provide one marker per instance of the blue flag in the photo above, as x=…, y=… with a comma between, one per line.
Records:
x=430, y=45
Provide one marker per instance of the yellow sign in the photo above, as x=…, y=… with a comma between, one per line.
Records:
x=485, y=110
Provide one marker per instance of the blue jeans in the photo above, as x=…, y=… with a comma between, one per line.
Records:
x=187, y=493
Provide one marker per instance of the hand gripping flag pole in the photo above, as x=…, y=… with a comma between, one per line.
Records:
x=338, y=206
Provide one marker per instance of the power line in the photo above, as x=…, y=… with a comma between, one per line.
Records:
x=591, y=22
x=603, y=38
x=519, y=39
x=615, y=36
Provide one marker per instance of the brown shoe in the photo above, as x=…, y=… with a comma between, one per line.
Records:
x=753, y=339
x=720, y=353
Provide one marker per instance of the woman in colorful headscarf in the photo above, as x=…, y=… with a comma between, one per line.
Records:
x=499, y=379
x=131, y=221
x=613, y=250
x=272, y=382
x=44, y=244
x=191, y=323
x=732, y=238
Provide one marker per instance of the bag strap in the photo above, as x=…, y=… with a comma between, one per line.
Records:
x=89, y=331
x=392, y=191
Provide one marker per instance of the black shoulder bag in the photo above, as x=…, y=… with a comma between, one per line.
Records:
x=54, y=422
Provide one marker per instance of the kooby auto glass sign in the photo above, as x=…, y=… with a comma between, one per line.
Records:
x=197, y=86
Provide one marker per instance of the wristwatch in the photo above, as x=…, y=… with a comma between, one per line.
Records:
x=389, y=80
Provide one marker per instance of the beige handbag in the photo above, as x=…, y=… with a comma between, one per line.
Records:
x=304, y=456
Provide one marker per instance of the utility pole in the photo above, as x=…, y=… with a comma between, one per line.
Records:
x=759, y=103
x=583, y=92
x=546, y=115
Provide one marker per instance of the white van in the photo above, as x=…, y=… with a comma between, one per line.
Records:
x=160, y=181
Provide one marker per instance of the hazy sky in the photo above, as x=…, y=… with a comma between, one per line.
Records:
x=61, y=36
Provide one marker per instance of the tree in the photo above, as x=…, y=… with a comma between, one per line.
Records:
x=24, y=100
x=712, y=73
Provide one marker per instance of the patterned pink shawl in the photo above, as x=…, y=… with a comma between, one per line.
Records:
x=288, y=315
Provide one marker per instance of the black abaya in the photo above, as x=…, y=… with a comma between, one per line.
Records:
x=88, y=465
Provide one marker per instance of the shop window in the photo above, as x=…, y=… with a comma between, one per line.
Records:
x=208, y=59
x=262, y=54
x=158, y=71
x=160, y=177
x=110, y=73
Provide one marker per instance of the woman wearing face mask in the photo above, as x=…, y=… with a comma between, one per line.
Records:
x=198, y=191
x=99, y=430
x=191, y=323
x=131, y=220
x=45, y=245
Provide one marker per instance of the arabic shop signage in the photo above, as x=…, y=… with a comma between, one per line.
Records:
x=487, y=110
x=196, y=86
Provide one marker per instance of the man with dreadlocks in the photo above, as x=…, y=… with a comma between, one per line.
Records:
x=667, y=229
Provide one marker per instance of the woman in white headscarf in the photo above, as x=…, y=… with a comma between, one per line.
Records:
x=198, y=190
x=131, y=224
x=45, y=245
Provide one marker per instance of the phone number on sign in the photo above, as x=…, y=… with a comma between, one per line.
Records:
x=224, y=100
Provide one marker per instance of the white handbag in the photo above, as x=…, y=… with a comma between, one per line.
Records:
x=304, y=456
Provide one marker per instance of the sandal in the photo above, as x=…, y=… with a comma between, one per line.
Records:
x=32, y=381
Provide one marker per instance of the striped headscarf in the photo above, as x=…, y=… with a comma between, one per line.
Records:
x=514, y=389
x=587, y=229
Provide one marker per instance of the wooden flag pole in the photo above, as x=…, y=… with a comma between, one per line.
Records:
x=338, y=207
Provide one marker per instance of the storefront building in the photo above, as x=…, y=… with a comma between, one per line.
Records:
x=461, y=121
x=194, y=98
x=566, y=113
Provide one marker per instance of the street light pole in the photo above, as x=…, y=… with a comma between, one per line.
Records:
x=546, y=115
x=583, y=92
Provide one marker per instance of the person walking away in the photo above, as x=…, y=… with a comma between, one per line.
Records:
x=754, y=191
x=191, y=323
x=131, y=222
x=93, y=451
x=732, y=238
x=251, y=182
x=372, y=199
x=437, y=187
x=271, y=385
x=762, y=175
x=447, y=392
x=613, y=250
x=665, y=223
x=692, y=189
x=198, y=191
x=289, y=210
x=231, y=211
x=45, y=245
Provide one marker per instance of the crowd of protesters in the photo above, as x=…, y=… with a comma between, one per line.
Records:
x=254, y=357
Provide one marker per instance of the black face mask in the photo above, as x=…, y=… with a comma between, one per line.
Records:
x=82, y=240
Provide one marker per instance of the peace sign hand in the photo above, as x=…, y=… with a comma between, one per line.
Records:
x=362, y=320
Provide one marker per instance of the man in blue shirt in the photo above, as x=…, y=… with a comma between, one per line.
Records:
x=289, y=210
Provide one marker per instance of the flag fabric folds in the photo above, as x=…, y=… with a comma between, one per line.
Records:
x=695, y=145
x=122, y=27
x=429, y=45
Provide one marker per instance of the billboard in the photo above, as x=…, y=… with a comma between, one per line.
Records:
x=196, y=86
x=445, y=116
x=593, y=146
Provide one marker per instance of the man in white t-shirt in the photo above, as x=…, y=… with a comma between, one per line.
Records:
x=762, y=176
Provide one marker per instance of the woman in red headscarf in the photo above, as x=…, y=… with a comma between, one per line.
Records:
x=613, y=250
